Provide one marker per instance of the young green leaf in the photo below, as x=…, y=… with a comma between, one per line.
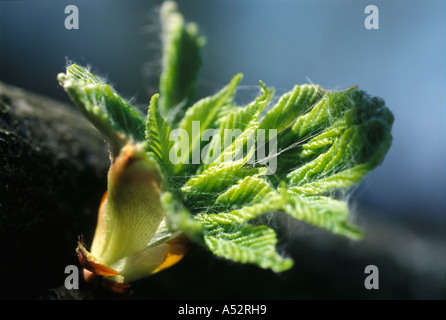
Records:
x=236, y=132
x=181, y=62
x=355, y=141
x=201, y=116
x=291, y=106
x=108, y=112
x=247, y=244
x=323, y=212
x=251, y=189
x=157, y=136
x=201, y=191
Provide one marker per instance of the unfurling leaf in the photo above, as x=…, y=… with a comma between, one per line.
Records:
x=181, y=61
x=108, y=112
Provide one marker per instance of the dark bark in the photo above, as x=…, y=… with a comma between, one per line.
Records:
x=53, y=174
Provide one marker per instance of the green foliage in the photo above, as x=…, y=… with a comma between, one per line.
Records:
x=99, y=102
x=326, y=141
x=181, y=61
x=207, y=111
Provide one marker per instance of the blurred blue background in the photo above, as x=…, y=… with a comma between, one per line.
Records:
x=282, y=43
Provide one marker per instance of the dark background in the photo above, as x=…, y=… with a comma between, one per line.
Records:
x=401, y=205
